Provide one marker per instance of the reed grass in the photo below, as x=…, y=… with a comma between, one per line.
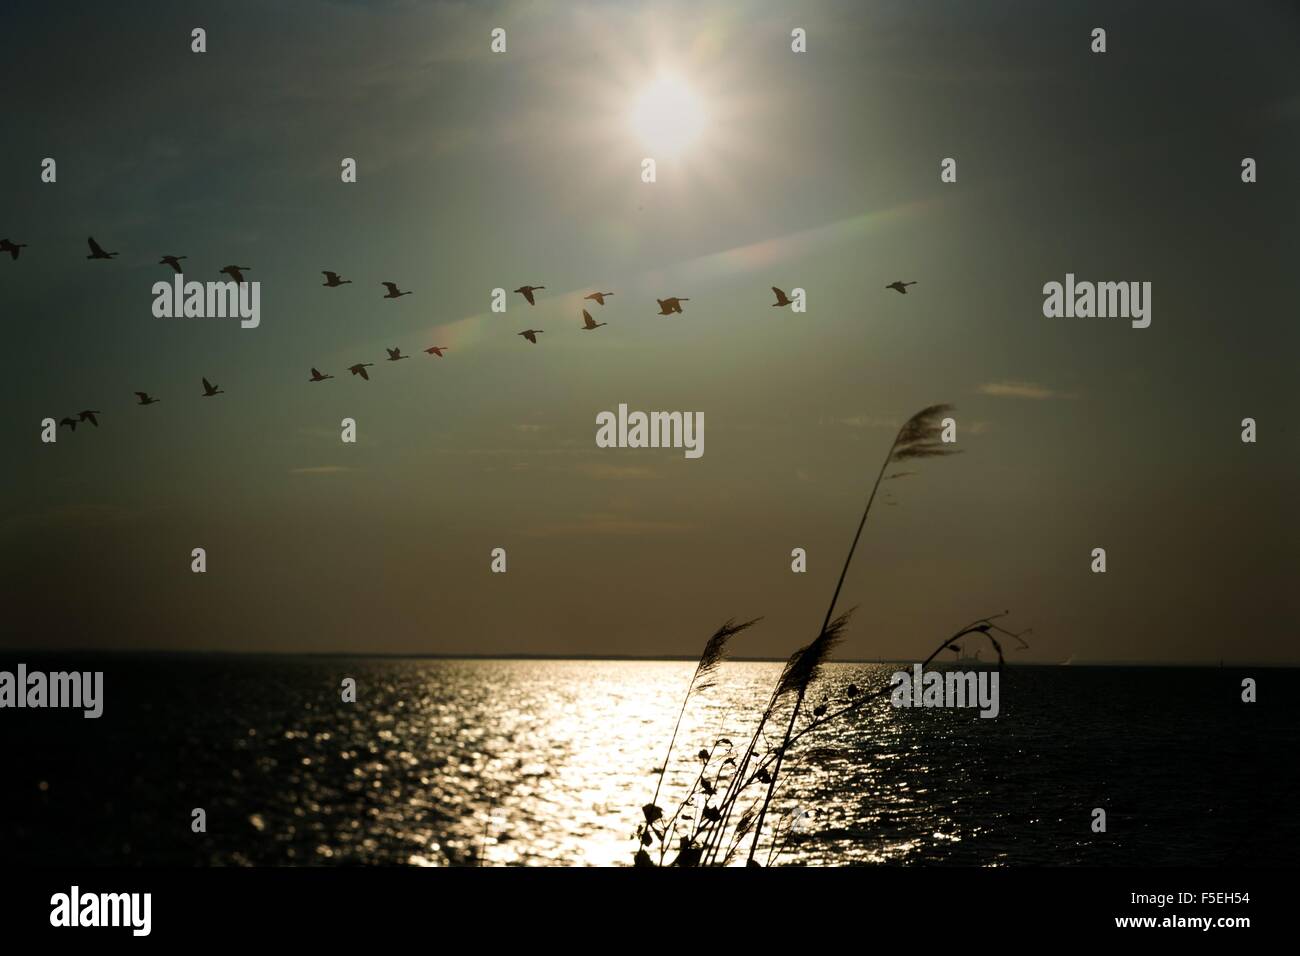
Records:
x=710, y=839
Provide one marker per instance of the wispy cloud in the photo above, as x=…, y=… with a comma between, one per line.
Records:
x=1030, y=390
x=863, y=421
x=606, y=472
x=605, y=523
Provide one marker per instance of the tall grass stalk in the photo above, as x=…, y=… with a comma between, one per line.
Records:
x=701, y=680
x=920, y=437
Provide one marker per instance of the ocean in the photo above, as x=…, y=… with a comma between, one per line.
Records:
x=548, y=762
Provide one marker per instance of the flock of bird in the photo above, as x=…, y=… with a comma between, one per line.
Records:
x=669, y=306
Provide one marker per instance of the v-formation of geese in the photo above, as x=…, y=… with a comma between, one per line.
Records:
x=669, y=306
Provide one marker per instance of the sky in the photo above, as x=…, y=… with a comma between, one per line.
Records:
x=818, y=170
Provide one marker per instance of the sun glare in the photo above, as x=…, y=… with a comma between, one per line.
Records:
x=668, y=117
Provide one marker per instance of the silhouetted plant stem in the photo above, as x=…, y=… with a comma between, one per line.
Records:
x=919, y=437
x=708, y=663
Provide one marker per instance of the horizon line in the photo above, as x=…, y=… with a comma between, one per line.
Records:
x=684, y=658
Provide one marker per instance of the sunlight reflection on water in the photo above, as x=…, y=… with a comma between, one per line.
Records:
x=526, y=762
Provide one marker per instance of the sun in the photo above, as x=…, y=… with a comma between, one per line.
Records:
x=668, y=116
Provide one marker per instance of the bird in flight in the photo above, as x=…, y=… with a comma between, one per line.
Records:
x=360, y=369
x=900, y=286
x=236, y=272
x=145, y=399
x=588, y=324
x=316, y=376
x=70, y=422
x=332, y=280
x=669, y=306
x=209, y=389
x=89, y=416
x=531, y=334
x=527, y=292
x=11, y=247
x=96, y=251
x=599, y=297
x=393, y=292
x=437, y=350
x=173, y=261
x=781, y=299
x=395, y=355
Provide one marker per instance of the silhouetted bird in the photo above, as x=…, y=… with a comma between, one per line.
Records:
x=316, y=376
x=209, y=389
x=70, y=422
x=531, y=334
x=96, y=252
x=437, y=350
x=588, y=324
x=393, y=292
x=598, y=296
x=781, y=299
x=173, y=261
x=89, y=416
x=332, y=280
x=395, y=355
x=669, y=306
x=360, y=369
x=11, y=247
x=900, y=286
x=527, y=292
x=145, y=399
x=236, y=272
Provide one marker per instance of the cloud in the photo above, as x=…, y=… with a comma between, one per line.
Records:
x=1030, y=390
x=606, y=472
x=605, y=523
x=865, y=421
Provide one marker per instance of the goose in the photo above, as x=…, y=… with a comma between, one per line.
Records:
x=333, y=281
x=588, y=324
x=393, y=292
x=599, y=297
x=173, y=261
x=531, y=334
x=89, y=416
x=316, y=376
x=527, y=292
x=145, y=399
x=96, y=251
x=395, y=355
x=900, y=286
x=11, y=247
x=781, y=299
x=236, y=272
x=360, y=369
x=437, y=350
x=209, y=389
x=70, y=422
x=669, y=306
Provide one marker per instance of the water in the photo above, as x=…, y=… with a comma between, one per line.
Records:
x=453, y=762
